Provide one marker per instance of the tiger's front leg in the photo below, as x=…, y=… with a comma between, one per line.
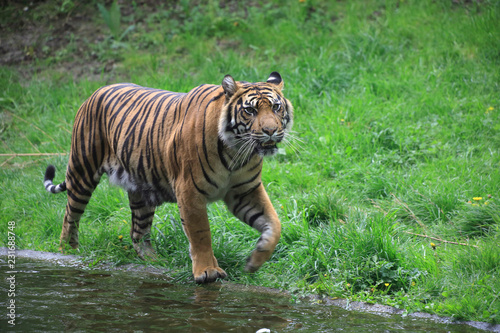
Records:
x=194, y=218
x=252, y=206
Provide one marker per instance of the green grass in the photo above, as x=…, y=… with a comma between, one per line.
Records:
x=397, y=109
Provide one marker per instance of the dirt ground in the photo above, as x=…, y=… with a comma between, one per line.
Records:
x=36, y=31
x=41, y=34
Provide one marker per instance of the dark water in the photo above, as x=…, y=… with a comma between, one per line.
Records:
x=54, y=298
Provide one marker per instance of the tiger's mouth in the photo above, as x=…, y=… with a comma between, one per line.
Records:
x=266, y=148
x=269, y=143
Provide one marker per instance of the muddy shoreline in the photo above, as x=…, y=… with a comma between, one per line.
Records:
x=75, y=261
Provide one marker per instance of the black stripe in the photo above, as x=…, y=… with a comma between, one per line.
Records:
x=100, y=124
x=79, y=172
x=51, y=188
x=135, y=109
x=254, y=217
x=75, y=210
x=121, y=113
x=175, y=152
x=138, y=232
x=141, y=170
x=177, y=110
x=256, y=165
x=248, y=211
x=77, y=199
x=137, y=206
x=141, y=111
x=207, y=178
x=237, y=207
x=248, y=181
x=63, y=186
x=244, y=194
x=76, y=186
x=94, y=138
x=143, y=225
x=241, y=197
x=142, y=217
x=220, y=150
x=195, y=93
x=204, y=144
x=196, y=186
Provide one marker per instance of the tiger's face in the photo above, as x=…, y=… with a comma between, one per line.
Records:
x=256, y=116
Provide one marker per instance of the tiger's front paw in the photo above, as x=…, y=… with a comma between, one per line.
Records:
x=256, y=260
x=209, y=274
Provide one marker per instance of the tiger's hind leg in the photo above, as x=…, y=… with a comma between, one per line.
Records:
x=142, y=219
x=79, y=192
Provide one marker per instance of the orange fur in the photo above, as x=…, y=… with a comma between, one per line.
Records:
x=190, y=148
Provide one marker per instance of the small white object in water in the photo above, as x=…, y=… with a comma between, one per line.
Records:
x=264, y=330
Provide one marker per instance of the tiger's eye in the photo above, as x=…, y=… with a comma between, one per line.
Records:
x=250, y=110
x=276, y=107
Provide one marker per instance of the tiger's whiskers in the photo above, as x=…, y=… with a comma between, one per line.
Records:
x=244, y=152
x=293, y=142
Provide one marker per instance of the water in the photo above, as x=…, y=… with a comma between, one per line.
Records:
x=57, y=298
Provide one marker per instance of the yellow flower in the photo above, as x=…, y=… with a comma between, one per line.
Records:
x=325, y=275
x=125, y=247
x=433, y=246
x=386, y=284
x=120, y=237
x=477, y=198
x=348, y=285
x=413, y=283
x=486, y=202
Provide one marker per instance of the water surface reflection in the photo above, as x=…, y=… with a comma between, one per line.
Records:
x=55, y=298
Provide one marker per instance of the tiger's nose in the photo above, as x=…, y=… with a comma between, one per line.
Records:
x=269, y=130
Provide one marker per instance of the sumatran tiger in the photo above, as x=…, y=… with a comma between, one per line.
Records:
x=190, y=148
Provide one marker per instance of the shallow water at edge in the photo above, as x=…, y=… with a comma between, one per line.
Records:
x=57, y=298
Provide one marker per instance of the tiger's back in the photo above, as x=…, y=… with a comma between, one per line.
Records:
x=135, y=130
x=190, y=148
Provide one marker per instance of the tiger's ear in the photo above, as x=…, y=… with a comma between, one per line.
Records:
x=275, y=78
x=230, y=86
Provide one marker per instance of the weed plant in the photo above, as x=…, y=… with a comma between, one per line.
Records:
x=392, y=195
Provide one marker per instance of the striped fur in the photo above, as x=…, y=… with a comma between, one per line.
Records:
x=191, y=148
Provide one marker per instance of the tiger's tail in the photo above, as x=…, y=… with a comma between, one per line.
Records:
x=49, y=185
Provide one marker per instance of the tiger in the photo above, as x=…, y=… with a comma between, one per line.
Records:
x=189, y=148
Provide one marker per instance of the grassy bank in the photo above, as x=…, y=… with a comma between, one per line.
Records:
x=394, y=194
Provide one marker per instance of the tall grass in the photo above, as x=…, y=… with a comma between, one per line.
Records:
x=397, y=111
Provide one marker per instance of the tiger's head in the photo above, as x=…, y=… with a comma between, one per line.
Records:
x=255, y=117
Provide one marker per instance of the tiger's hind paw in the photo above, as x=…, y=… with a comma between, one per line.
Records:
x=145, y=251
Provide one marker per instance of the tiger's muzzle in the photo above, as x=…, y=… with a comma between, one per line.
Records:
x=266, y=144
